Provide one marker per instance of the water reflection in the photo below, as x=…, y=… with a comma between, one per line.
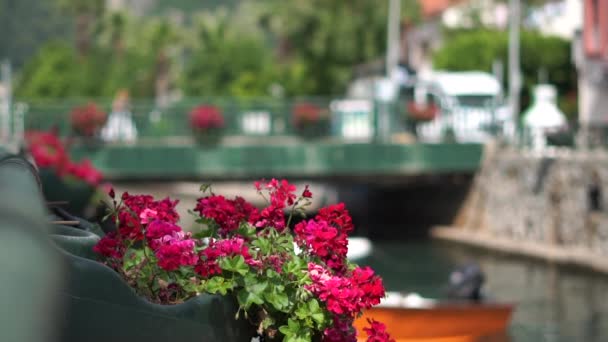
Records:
x=553, y=303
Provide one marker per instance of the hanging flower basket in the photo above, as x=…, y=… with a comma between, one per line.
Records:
x=87, y=120
x=100, y=306
x=245, y=257
x=63, y=179
x=207, y=123
x=422, y=113
x=310, y=120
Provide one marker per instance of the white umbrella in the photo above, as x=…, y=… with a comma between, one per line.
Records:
x=544, y=113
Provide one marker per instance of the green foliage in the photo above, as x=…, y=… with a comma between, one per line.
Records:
x=57, y=71
x=227, y=60
x=50, y=74
x=26, y=24
x=329, y=38
x=308, y=48
x=478, y=49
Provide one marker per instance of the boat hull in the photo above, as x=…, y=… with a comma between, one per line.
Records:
x=443, y=322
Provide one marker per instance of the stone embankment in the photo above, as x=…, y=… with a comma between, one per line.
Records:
x=549, y=204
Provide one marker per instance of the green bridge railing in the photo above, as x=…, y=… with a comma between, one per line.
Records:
x=356, y=139
x=341, y=119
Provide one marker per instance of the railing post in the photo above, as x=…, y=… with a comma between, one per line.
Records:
x=5, y=101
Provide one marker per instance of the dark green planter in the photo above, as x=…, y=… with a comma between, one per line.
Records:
x=78, y=194
x=313, y=130
x=100, y=306
x=31, y=269
x=209, y=138
x=75, y=241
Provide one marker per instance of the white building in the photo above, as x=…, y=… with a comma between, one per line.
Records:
x=561, y=18
x=590, y=50
x=558, y=18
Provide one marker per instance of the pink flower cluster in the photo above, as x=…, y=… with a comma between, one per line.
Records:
x=139, y=210
x=157, y=221
x=377, y=332
x=282, y=195
x=341, y=331
x=87, y=119
x=203, y=118
x=175, y=250
x=326, y=236
x=343, y=291
x=228, y=214
x=110, y=246
x=346, y=294
x=234, y=246
x=49, y=152
x=85, y=171
x=307, y=113
x=158, y=229
x=139, y=217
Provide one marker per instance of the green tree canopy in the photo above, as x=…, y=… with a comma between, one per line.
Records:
x=478, y=49
x=306, y=47
x=227, y=61
x=329, y=38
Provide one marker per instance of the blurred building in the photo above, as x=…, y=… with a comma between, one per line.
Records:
x=137, y=7
x=426, y=37
x=558, y=18
x=590, y=51
x=561, y=18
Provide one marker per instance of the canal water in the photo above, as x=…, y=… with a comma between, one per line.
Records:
x=552, y=303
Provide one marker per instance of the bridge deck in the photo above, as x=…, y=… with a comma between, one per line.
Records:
x=296, y=160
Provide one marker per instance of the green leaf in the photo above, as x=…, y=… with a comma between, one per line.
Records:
x=278, y=300
x=263, y=244
x=246, y=229
x=284, y=329
x=313, y=305
x=220, y=285
x=294, y=332
x=132, y=258
x=246, y=298
x=267, y=322
x=204, y=187
x=234, y=264
x=257, y=288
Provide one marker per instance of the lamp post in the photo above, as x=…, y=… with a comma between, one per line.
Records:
x=5, y=101
x=386, y=89
x=514, y=58
x=392, y=39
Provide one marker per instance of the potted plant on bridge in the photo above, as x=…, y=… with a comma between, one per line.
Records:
x=207, y=123
x=62, y=178
x=87, y=120
x=288, y=284
x=422, y=112
x=310, y=120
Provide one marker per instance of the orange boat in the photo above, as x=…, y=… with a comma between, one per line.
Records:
x=413, y=318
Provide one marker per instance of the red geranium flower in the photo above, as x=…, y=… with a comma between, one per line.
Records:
x=203, y=118
x=307, y=113
x=377, y=332
x=86, y=120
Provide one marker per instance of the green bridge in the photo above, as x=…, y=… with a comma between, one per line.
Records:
x=344, y=139
x=310, y=160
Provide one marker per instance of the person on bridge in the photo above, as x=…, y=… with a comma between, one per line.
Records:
x=120, y=125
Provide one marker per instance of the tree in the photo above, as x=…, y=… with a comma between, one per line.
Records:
x=27, y=24
x=329, y=38
x=86, y=13
x=227, y=61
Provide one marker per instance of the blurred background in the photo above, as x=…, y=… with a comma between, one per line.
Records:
x=456, y=131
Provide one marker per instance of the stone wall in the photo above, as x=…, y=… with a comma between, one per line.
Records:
x=555, y=198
